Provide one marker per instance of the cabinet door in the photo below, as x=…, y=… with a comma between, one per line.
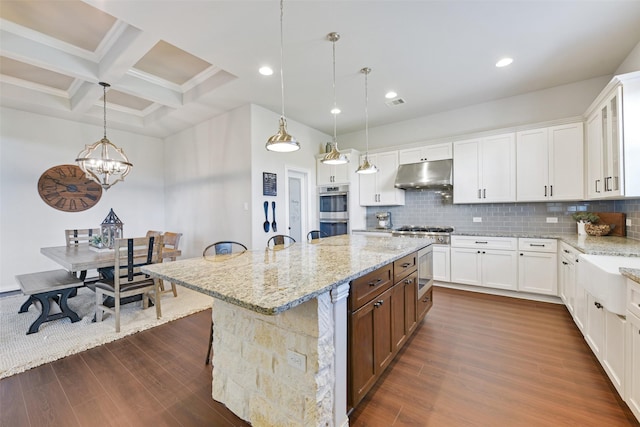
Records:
x=632, y=368
x=580, y=307
x=595, y=185
x=566, y=160
x=382, y=342
x=410, y=155
x=613, y=357
x=498, y=169
x=386, y=178
x=324, y=173
x=594, y=330
x=425, y=303
x=566, y=283
x=466, y=172
x=411, y=302
x=368, y=190
x=398, y=313
x=538, y=272
x=532, y=165
x=441, y=263
x=465, y=266
x=499, y=269
x=611, y=122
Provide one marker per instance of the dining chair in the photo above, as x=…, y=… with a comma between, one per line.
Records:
x=280, y=241
x=316, y=234
x=170, y=240
x=128, y=280
x=224, y=247
x=77, y=237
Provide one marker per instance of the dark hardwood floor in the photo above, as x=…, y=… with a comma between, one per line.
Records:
x=476, y=360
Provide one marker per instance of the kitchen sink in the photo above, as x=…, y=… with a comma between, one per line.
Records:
x=600, y=276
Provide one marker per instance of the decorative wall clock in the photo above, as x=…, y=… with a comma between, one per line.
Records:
x=66, y=188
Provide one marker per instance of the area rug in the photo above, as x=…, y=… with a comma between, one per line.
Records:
x=60, y=338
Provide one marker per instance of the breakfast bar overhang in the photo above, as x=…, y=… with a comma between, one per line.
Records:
x=280, y=324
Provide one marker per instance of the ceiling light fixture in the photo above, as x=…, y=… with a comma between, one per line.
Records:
x=334, y=157
x=282, y=142
x=265, y=71
x=102, y=161
x=504, y=62
x=366, y=167
x=390, y=95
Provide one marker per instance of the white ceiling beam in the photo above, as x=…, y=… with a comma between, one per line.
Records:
x=208, y=85
x=85, y=97
x=151, y=91
x=124, y=53
x=31, y=52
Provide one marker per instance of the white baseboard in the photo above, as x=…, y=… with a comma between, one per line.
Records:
x=500, y=292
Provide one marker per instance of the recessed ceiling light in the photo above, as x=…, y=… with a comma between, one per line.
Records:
x=390, y=95
x=335, y=110
x=265, y=71
x=504, y=62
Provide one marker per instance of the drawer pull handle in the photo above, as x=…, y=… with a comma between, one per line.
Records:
x=565, y=262
x=378, y=303
x=406, y=264
x=597, y=304
x=426, y=299
x=565, y=251
x=375, y=283
x=484, y=243
x=539, y=245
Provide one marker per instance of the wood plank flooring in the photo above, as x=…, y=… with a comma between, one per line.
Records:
x=476, y=360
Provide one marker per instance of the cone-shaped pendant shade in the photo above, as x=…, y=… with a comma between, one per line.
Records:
x=366, y=167
x=282, y=142
x=334, y=157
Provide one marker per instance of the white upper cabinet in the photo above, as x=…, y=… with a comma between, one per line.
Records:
x=426, y=153
x=484, y=169
x=613, y=140
x=378, y=189
x=550, y=163
x=336, y=174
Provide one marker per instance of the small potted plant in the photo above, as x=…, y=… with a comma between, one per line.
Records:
x=96, y=242
x=582, y=218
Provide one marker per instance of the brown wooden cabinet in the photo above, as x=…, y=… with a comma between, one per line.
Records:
x=383, y=314
x=425, y=303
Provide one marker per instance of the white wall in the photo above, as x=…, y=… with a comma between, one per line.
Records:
x=208, y=182
x=264, y=123
x=29, y=145
x=560, y=102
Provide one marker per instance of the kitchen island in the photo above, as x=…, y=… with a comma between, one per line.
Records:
x=280, y=335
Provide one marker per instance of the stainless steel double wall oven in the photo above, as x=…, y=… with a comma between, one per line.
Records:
x=333, y=205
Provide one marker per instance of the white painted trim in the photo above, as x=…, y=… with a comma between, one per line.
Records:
x=500, y=292
x=305, y=190
x=339, y=300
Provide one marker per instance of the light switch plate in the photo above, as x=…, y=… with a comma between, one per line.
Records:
x=477, y=219
x=552, y=219
x=628, y=222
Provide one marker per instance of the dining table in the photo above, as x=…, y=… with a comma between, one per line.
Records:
x=83, y=257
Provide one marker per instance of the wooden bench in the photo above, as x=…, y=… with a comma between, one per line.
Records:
x=45, y=286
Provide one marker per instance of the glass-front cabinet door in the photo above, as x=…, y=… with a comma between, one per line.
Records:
x=612, y=144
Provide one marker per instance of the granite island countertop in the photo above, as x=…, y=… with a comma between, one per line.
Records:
x=270, y=282
x=631, y=273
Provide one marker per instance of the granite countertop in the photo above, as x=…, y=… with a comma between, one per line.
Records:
x=270, y=282
x=631, y=273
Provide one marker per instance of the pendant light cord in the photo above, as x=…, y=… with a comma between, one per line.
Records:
x=366, y=109
x=104, y=109
x=335, y=106
x=282, y=55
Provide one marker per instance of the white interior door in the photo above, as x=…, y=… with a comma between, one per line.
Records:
x=297, y=202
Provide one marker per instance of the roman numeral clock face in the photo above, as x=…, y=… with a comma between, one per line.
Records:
x=66, y=188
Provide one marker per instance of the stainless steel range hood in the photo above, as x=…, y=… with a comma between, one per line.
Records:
x=436, y=175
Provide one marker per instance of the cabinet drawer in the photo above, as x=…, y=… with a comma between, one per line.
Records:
x=537, y=245
x=633, y=297
x=480, y=242
x=367, y=287
x=568, y=250
x=404, y=266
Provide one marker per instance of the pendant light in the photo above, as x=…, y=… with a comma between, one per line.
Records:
x=282, y=142
x=102, y=161
x=366, y=167
x=334, y=157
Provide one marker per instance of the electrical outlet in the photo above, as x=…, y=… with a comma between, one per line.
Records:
x=628, y=222
x=297, y=360
x=552, y=219
x=477, y=219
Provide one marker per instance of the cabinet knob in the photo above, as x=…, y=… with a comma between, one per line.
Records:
x=565, y=262
x=483, y=252
x=378, y=303
x=521, y=254
x=408, y=281
x=597, y=304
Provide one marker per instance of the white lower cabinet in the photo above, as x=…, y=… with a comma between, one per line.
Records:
x=613, y=350
x=484, y=261
x=632, y=344
x=567, y=278
x=594, y=331
x=441, y=263
x=538, y=266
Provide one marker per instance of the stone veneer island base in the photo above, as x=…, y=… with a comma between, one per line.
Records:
x=280, y=324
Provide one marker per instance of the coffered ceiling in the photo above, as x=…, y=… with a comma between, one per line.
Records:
x=172, y=64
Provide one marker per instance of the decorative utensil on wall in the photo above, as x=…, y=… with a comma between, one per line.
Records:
x=274, y=226
x=266, y=224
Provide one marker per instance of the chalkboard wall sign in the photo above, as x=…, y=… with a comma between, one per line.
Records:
x=269, y=184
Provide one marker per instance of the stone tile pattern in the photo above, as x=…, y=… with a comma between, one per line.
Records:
x=251, y=374
x=428, y=208
x=271, y=282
